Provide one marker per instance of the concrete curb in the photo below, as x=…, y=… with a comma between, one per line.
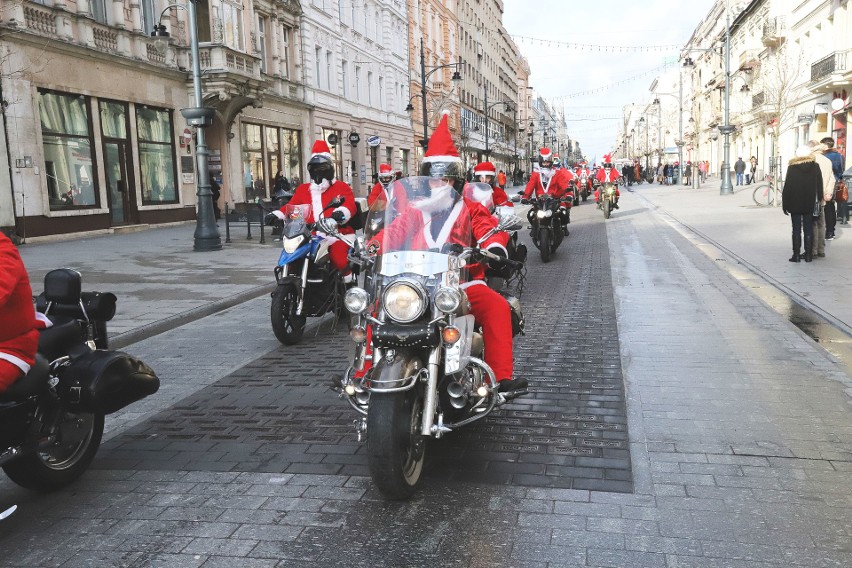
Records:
x=167, y=324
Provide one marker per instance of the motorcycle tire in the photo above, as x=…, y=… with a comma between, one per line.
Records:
x=544, y=245
x=286, y=325
x=607, y=207
x=395, y=448
x=55, y=467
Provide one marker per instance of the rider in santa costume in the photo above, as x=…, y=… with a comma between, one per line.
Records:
x=541, y=178
x=608, y=173
x=583, y=170
x=318, y=193
x=443, y=218
x=383, y=190
x=484, y=172
x=21, y=323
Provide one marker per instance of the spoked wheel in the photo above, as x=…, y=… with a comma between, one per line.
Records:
x=287, y=326
x=606, y=208
x=77, y=441
x=395, y=448
x=544, y=245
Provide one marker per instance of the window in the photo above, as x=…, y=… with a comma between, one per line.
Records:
x=328, y=60
x=403, y=160
x=99, y=11
x=345, y=76
x=389, y=155
x=261, y=43
x=335, y=151
x=253, y=177
x=68, y=163
x=317, y=56
x=156, y=155
x=381, y=92
x=232, y=16
x=369, y=88
x=285, y=51
x=291, y=156
x=357, y=83
x=148, y=15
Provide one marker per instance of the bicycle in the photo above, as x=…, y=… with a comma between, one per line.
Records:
x=765, y=192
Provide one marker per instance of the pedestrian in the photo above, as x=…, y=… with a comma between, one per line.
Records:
x=739, y=169
x=801, y=196
x=817, y=148
x=216, y=192
x=688, y=174
x=842, y=198
x=281, y=184
x=669, y=173
x=661, y=173
x=501, y=179
x=752, y=169
x=837, y=169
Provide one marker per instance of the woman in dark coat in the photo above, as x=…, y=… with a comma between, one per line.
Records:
x=802, y=188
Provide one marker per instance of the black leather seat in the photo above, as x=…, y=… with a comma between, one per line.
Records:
x=33, y=383
x=56, y=341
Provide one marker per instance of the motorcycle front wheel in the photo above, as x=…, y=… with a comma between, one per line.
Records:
x=544, y=245
x=48, y=469
x=606, y=208
x=287, y=326
x=395, y=448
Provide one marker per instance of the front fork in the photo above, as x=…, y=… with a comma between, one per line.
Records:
x=285, y=271
x=431, y=399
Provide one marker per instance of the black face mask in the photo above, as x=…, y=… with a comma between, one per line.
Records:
x=320, y=172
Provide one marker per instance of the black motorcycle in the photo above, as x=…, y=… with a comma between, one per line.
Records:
x=52, y=419
x=546, y=224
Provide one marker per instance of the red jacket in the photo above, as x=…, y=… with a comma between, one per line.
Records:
x=538, y=184
x=308, y=194
x=18, y=327
x=414, y=228
x=379, y=193
x=561, y=183
x=603, y=177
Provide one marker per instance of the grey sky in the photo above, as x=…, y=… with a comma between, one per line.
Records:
x=558, y=71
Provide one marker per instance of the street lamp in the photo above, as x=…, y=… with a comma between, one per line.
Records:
x=423, y=76
x=206, y=232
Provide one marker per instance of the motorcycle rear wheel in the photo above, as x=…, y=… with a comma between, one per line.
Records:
x=55, y=467
x=287, y=326
x=395, y=448
x=544, y=246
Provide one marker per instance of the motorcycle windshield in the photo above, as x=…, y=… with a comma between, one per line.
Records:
x=425, y=236
x=481, y=193
x=295, y=218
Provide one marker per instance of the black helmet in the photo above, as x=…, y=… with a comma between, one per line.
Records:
x=320, y=168
x=451, y=169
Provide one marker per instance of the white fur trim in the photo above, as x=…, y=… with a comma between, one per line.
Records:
x=499, y=247
x=467, y=285
x=347, y=214
x=441, y=159
x=316, y=201
x=16, y=361
x=445, y=230
x=482, y=173
x=43, y=319
x=280, y=215
x=326, y=154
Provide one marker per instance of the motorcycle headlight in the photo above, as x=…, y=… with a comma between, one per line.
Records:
x=541, y=214
x=404, y=302
x=356, y=300
x=290, y=245
x=448, y=300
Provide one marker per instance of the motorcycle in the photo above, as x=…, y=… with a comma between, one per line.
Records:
x=585, y=187
x=545, y=224
x=52, y=419
x=427, y=375
x=308, y=284
x=607, y=198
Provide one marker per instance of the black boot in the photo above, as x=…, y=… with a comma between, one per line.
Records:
x=809, y=248
x=795, y=257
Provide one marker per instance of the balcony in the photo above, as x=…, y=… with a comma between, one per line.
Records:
x=829, y=73
x=230, y=73
x=749, y=59
x=774, y=32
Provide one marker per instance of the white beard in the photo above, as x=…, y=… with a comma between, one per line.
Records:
x=325, y=184
x=441, y=199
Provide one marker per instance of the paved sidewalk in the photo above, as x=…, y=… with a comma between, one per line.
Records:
x=759, y=237
x=160, y=281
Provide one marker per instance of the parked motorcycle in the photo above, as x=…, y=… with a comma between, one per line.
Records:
x=427, y=376
x=545, y=224
x=52, y=419
x=308, y=283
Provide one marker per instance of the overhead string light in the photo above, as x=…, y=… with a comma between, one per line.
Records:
x=552, y=100
x=597, y=47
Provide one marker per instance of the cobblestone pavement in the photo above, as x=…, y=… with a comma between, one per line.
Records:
x=738, y=430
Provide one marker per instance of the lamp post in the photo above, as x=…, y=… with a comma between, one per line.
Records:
x=423, y=76
x=206, y=237
x=726, y=129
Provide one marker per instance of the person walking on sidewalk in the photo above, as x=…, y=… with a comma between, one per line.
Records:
x=802, y=190
x=824, y=164
x=752, y=169
x=739, y=169
x=837, y=168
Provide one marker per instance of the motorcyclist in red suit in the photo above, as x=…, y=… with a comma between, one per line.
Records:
x=318, y=193
x=431, y=223
x=484, y=172
x=608, y=173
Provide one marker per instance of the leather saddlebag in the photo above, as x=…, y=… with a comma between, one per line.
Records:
x=106, y=381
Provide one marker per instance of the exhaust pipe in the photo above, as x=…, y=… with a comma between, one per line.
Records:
x=458, y=395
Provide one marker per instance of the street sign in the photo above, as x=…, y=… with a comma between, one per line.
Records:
x=373, y=141
x=332, y=139
x=354, y=138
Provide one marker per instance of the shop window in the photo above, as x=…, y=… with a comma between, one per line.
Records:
x=254, y=181
x=336, y=156
x=291, y=156
x=68, y=158
x=156, y=155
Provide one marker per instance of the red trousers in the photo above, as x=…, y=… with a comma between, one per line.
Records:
x=338, y=254
x=492, y=311
x=9, y=373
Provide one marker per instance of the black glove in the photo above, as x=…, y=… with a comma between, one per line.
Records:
x=339, y=217
x=497, y=252
x=271, y=219
x=525, y=201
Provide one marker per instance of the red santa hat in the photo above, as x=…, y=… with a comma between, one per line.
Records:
x=385, y=170
x=321, y=149
x=484, y=169
x=441, y=147
x=545, y=154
